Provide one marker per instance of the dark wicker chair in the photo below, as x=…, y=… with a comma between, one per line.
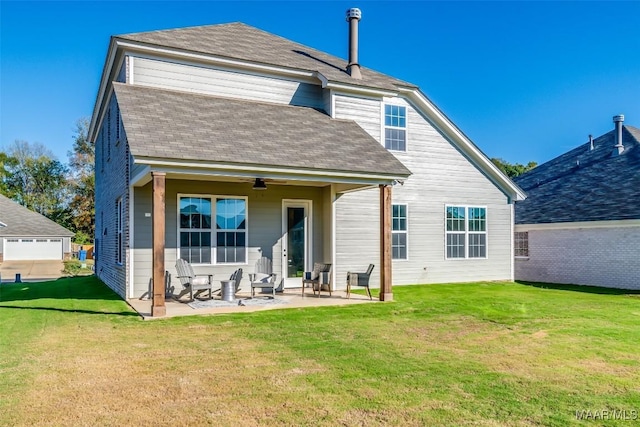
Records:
x=319, y=278
x=359, y=279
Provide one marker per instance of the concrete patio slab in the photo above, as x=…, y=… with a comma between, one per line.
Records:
x=291, y=298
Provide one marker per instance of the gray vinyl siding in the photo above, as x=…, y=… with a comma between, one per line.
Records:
x=264, y=227
x=441, y=176
x=357, y=235
x=218, y=82
x=364, y=111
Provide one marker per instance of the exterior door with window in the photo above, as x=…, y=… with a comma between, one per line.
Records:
x=296, y=232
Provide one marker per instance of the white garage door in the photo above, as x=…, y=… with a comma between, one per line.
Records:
x=32, y=249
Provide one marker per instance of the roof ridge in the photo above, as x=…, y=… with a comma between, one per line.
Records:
x=166, y=30
x=262, y=47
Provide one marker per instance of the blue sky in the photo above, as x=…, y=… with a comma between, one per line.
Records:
x=524, y=80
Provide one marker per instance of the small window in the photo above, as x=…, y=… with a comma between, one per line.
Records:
x=119, y=241
x=13, y=240
x=27, y=240
x=41, y=240
x=399, y=232
x=117, y=125
x=521, y=243
x=55, y=240
x=466, y=232
x=395, y=127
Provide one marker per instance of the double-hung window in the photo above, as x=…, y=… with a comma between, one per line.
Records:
x=205, y=242
x=395, y=127
x=231, y=231
x=119, y=227
x=521, y=243
x=466, y=232
x=399, y=232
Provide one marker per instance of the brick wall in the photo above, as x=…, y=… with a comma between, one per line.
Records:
x=605, y=257
x=112, y=182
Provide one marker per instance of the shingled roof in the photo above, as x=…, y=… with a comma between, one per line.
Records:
x=177, y=125
x=20, y=221
x=244, y=42
x=584, y=184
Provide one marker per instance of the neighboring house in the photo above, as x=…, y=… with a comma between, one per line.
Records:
x=27, y=235
x=196, y=120
x=580, y=223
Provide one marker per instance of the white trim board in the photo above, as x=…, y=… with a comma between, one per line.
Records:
x=581, y=224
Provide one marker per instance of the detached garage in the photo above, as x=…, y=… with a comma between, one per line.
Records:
x=26, y=235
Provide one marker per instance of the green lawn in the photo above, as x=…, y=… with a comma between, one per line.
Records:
x=481, y=354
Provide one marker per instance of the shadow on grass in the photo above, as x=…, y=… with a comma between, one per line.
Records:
x=70, y=310
x=68, y=288
x=71, y=295
x=581, y=288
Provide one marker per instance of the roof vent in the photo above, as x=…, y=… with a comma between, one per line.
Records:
x=591, y=146
x=619, y=147
x=353, y=68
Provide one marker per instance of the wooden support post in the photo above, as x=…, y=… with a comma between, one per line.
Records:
x=158, y=308
x=386, y=291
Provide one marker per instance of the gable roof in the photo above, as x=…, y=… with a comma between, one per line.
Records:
x=178, y=125
x=20, y=221
x=244, y=42
x=241, y=46
x=584, y=184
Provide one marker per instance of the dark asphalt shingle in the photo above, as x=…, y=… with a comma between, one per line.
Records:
x=178, y=125
x=244, y=42
x=584, y=184
x=21, y=221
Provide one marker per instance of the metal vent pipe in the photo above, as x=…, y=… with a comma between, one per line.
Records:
x=619, y=147
x=353, y=68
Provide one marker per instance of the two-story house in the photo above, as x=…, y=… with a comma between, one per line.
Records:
x=221, y=144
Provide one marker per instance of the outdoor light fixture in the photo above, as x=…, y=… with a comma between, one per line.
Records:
x=259, y=184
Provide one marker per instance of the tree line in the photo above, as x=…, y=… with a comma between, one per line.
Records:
x=513, y=170
x=32, y=176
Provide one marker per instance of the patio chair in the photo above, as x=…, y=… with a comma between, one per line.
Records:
x=359, y=279
x=319, y=278
x=263, y=277
x=193, y=283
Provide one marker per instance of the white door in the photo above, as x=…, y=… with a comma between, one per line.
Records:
x=25, y=249
x=296, y=241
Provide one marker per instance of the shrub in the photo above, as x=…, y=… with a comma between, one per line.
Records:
x=72, y=267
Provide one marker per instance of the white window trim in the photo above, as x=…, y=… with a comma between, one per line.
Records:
x=514, y=245
x=214, y=254
x=383, y=138
x=406, y=232
x=119, y=233
x=466, y=231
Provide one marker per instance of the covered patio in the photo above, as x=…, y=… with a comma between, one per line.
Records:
x=215, y=183
x=289, y=299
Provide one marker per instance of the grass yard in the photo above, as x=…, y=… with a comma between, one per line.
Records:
x=482, y=354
